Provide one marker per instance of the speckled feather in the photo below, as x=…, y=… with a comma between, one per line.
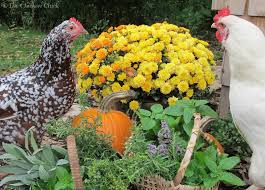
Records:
x=41, y=92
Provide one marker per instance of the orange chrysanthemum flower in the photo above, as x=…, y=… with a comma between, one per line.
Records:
x=96, y=44
x=106, y=35
x=110, y=29
x=82, y=68
x=106, y=42
x=102, y=53
x=102, y=79
x=115, y=66
x=110, y=50
x=120, y=27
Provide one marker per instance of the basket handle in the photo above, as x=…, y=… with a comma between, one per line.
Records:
x=198, y=122
x=74, y=162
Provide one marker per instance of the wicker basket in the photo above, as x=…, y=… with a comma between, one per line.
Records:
x=150, y=182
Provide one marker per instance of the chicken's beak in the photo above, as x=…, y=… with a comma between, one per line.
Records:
x=213, y=25
x=84, y=31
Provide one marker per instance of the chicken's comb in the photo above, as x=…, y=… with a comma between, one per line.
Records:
x=73, y=19
x=222, y=13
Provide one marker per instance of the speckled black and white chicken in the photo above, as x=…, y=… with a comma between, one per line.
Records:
x=43, y=91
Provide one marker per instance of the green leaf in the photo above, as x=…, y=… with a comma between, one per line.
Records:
x=7, y=156
x=185, y=103
x=207, y=111
x=44, y=175
x=211, y=152
x=33, y=142
x=200, y=157
x=144, y=112
x=20, y=163
x=188, y=128
x=148, y=123
x=229, y=163
x=178, y=119
x=27, y=141
x=200, y=102
x=48, y=156
x=59, y=150
x=190, y=170
x=61, y=172
x=14, y=179
x=170, y=121
x=210, y=182
x=13, y=170
x=159, y=116
x=16, y=151
x=231, y=179
x=188, y=114
x=18, y=184
x=157, y=108
x=62, y=162
x=211, y=164
x=63, y=175
x=11, y=149
x=174, y=110
x=60, y=185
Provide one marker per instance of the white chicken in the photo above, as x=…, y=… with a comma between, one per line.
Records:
x=245, y=45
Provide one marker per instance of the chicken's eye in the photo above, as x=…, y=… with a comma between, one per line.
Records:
x=71, y=27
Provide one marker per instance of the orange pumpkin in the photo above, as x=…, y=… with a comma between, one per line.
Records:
x=114, y=123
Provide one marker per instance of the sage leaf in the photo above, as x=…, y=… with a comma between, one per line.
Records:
x=44, y=175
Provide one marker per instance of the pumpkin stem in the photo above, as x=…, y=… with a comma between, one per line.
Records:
x=111, y=99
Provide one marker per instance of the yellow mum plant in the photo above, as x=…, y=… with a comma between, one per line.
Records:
x=162, y=61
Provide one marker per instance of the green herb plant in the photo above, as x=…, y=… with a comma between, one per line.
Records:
x=177, y=116
x=225, y=131
x=34, y=165
x=207, y=169
x=62, y=181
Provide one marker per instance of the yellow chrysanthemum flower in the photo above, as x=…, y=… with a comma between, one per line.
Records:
x=105, y=70
x=111, y=77
x=93, y=68
x=87, y=83
x=164, y=74
x=134, y=105
x=122, y=76
x=116, y=87
x=125, y=87
x=159, y=83
x=106, y=91
x=172, y=100
x=147, y=86
x=189, y=93
x=174, y=81
x=166, y=88
x=138, y=80
x=183, y=86
x=202, y=84
x=186, y=98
